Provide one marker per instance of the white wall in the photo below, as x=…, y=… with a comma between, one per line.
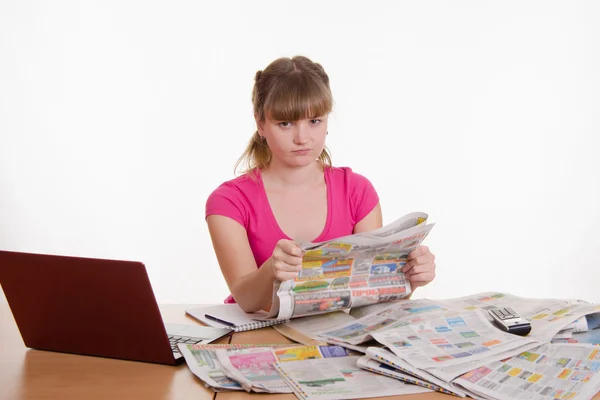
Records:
x=118, y=118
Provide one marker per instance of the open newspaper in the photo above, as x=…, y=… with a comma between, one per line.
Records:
x=550, y=371
x=203, y=362
x=448, y=338
x=448, y=345
x=253, y=368
x=547, y=316
x=340, y=377
x=352, y=271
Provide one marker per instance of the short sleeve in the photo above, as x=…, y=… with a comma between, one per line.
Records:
x=225, y=201
x=363, y=196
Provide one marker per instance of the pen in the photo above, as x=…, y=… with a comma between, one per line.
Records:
x=220, y=320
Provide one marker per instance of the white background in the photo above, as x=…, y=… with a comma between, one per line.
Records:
x=118, y=118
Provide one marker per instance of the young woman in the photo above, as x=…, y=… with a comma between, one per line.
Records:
x=290, y=193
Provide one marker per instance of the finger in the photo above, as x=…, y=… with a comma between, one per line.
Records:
x=409, y=265
x=286, y=276
x=406, y=267
x=419, y=251
x=287, y=258
x=290, y=247
x=419, y=269
x=281, y=266
x=424, y=259
x=423, y=278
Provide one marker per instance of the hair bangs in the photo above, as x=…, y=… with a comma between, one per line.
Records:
x=298, y=97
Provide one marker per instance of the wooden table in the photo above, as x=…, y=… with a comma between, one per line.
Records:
x=34, y=374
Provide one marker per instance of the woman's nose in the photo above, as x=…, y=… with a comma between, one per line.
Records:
x=301, y=134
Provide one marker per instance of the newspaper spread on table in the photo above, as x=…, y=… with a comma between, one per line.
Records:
x=453, y=343
x=431, y=336
x=547, y=316
x=448, y=345
x=365, y=362
x=378, y=354
x=202, y=360
x=550, y=371
x=340, y=378
x=393, y=315
x=253, y=368
x=352, y=271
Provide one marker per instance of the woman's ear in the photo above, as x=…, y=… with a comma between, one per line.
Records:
x=259, y=125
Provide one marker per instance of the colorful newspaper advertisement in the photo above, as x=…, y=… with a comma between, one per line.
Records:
x=340, y=378
x=352, y=271
x=550, y=371
x=202, y=361
x=547, y=316
x=253, y=368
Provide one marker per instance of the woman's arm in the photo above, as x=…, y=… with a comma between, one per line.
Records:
x=252, y=288
x=372, y=221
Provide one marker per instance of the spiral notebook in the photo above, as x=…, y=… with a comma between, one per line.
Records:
x=233, y=317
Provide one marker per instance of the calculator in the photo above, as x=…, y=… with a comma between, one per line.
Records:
x=509, y=321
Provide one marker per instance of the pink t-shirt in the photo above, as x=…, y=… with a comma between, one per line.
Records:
x=350, y=198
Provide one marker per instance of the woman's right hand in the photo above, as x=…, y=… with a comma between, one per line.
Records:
x=286, y=260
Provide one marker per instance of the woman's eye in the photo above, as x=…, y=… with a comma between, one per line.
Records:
x=315, y=121
x=284, y=124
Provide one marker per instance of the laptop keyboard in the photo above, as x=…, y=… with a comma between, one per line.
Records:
x=174, y=340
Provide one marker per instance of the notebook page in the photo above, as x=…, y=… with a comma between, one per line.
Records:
x=231, y=313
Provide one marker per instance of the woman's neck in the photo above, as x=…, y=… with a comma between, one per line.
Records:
x=283, y=176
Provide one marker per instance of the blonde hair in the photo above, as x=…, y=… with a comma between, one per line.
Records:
x=289, y=89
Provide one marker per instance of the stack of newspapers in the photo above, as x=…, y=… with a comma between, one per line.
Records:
x=418, y=346
x=358, y=337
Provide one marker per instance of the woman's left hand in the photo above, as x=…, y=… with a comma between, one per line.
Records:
x=420, y=267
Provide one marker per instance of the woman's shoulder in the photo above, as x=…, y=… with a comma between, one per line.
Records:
x=234, y=198
x=348, y=180
x=355, y=190
x=346, y=174
x=243, y=183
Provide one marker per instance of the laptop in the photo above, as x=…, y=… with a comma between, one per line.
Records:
x=93, y=307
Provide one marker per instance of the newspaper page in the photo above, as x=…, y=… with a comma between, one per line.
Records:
x=340, y=378
x=360, y=348
x=253, y=367
x=396, y=314
x=591, y=335
x=299, y=329
x=352, y=271
x=386, y=357
x=549, y=371
x=460, y=340
x=579, y=325
x=384, y=369
x=360, y=312
x=547, y=316
x=305, y=329
x=202, y=361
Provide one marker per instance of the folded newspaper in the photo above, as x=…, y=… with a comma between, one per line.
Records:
x=352, y=271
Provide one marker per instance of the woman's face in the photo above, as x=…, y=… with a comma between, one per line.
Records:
x=295, y=143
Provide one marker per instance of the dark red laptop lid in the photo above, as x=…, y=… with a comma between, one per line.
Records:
x=85, y=306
